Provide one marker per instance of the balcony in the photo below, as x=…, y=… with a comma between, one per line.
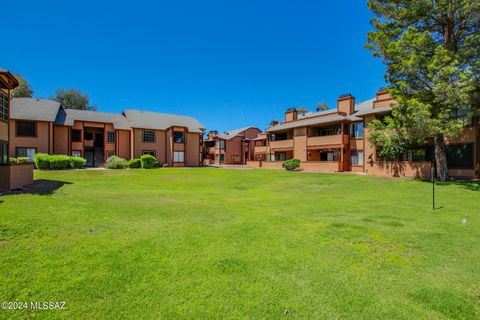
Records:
x=282, y=144
x=260, y=150
x=324, y=140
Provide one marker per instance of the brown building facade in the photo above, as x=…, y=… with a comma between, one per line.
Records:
x=232, y=148
x=335, y=141
x=39, y=125
x=18, y=175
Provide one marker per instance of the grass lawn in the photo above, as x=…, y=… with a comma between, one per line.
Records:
x=218, y=243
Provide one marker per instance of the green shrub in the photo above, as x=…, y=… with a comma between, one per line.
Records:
x=148, y=161
x=115, y=162
x=77, y=162
x=42, y=160
x=59, y=161
x=18, y=160
x=134, y=164
x=291, y=164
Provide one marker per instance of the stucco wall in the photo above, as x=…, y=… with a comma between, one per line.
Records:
x=233, y=151
x=419, y=170
x=305, y=166
x=124, y=144
x=3, y=131
x=60, y=138
x=158, y=146
x=193, y=150
x=40, y=142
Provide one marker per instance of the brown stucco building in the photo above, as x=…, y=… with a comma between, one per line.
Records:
x=39, y=125
x=335, y=141
x=232, y=147
x=11, y=176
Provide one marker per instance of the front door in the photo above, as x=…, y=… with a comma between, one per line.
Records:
x=89, y=156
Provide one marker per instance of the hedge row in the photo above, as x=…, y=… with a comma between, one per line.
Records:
x=146, y=161
x=58, y=161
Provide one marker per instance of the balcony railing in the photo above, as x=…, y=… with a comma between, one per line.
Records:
x=324, y=140
x=211, y=150
x=282, y=144
x=259, y=150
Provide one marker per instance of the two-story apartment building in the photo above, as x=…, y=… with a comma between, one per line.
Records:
x=40, y=125
x=172, y=139
x=233, y=147
x=335, y=141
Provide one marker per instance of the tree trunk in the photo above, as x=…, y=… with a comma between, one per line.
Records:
x=441, y=158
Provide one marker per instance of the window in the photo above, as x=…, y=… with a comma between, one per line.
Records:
x=280, y=156
x=76, y=153
x=330, y=155
x=26, y=128
x=3, y=106
x=415, y=155
x=357, y=158
x=88, y=136
x=463, y=114
x=460, y=156
x=150, y=152
x=178, y=137
x=357, y=130
x=222, y=157
x=148, y=136
x=76, y=135
x=178, y=156
x=3, y=153
x=26, y=152
x=111, y=137
x=222, y=144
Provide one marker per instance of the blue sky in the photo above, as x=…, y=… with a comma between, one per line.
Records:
x=228, y=63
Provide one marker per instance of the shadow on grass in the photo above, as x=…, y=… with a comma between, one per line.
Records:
x=469, y=185
x=38, y=187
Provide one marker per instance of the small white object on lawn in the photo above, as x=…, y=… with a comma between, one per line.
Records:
x=464, y=221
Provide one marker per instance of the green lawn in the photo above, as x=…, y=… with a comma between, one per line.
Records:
x=218, y=243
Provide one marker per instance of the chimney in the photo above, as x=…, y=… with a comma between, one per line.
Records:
x=346, y=104
x=383, y=98
x=273, y=123
x=212, y=134
x=291, y=115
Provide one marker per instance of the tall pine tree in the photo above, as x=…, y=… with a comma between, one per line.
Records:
x=431, y=49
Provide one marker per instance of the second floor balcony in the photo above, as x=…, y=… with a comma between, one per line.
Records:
x=324, y=140
x=282, y=144
x=260, y=149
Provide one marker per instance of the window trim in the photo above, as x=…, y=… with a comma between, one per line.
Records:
x=81, y=135
x=352, y=131
x=183, y=136
x=30, y=121
x=363, y=158
x=154, y=136
x=6, y=154
x=114, y=137
x=7, y=109
x=183, y=152
x=79, y=151
x=16, y=151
